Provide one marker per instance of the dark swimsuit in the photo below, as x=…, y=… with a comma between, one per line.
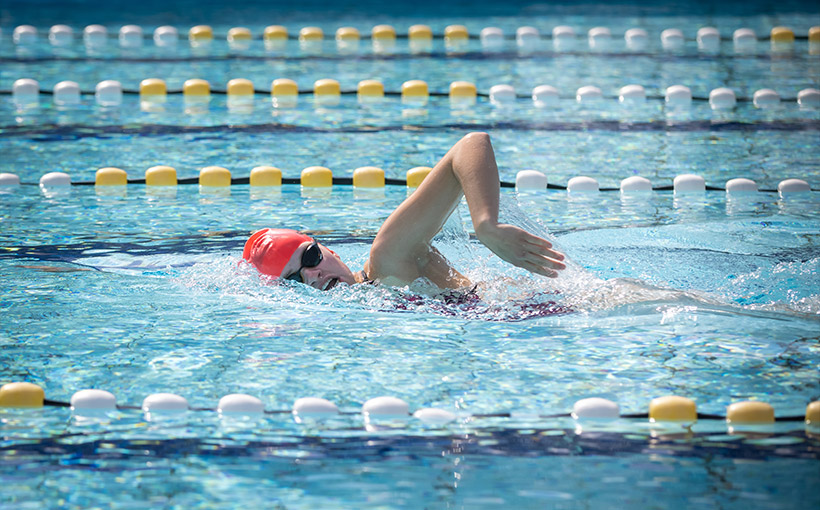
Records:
x=468, y=304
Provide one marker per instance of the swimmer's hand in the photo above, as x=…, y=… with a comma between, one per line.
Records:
x=520, y=248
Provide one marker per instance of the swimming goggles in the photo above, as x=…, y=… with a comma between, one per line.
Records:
x=311, y=257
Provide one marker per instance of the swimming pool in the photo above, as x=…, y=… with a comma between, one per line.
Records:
x=135, y=291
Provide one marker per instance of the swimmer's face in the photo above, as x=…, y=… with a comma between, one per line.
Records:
x=327, y=274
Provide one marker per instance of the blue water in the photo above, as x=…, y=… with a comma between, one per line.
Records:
x=135, y=292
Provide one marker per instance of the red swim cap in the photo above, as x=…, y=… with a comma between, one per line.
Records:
x=270, y=249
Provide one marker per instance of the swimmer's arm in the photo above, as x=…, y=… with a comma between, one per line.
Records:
x=402, y=246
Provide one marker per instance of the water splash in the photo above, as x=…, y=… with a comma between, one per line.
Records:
x=503, y=293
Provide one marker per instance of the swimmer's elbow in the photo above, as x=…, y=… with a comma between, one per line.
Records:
x=477, y=136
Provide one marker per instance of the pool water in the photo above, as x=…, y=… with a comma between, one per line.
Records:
x=707, y=295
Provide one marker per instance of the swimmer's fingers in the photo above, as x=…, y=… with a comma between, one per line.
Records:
x=543, y=252
x=553, y=255
x=522, y=249
x=543, y=246
x=536, y=269
x=540, y=264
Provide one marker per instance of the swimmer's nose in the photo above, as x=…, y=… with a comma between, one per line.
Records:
x=312, y=275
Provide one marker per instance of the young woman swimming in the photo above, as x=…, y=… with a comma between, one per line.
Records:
x=401, y=251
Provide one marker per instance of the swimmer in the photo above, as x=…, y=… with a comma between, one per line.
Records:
x=401, y=252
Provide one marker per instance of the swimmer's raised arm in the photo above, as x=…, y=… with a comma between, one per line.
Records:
x=402, y=247
x=402, y=251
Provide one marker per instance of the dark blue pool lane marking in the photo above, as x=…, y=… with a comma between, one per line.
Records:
x=69, y=132
x=143, y=246
x=95, y=453
x=75, y=253
x=486, y=56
